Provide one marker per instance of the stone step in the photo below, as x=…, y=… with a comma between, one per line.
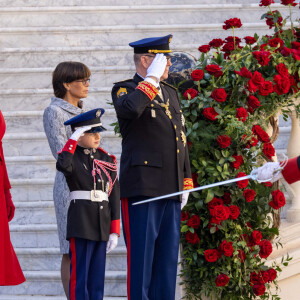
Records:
x=38, y=236
x=39, y=99
x=49, y=259
x=47, y=3
x=46, y=297
x=41, y=57
x=49, y=283
x=32, y=121
x=37, y=78
x=120, y=35
x=140, y=14
x=35, y=143
x=35, y=212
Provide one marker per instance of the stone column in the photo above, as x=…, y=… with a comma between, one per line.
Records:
x=293, y=150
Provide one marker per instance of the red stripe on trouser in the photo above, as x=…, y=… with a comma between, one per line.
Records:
x=127, y=234
x=73, y=272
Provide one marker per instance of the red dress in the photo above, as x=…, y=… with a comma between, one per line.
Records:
x=10, y=270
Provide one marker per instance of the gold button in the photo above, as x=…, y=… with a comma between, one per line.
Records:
x=177, y=150
x=177, y=139
x=175, y=126
x=180, y=110
x=145, y=162
x=152, y=105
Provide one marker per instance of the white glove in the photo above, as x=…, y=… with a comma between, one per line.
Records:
x=157, y=67
x=79, y=132
x=112, y=242
x=184, y=199
x=267, y=172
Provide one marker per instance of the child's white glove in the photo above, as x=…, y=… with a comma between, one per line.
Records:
x=157, y=67
x=267, y=172
x=112, y=242
x=79, y=132
x=184, y=199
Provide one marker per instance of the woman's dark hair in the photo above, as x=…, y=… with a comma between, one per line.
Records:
x=66, y=72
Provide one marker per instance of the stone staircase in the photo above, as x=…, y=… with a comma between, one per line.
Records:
x=34, y=37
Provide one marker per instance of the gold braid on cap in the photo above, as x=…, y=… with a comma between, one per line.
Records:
x=159, y=51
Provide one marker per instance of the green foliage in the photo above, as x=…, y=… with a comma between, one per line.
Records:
x=211, y=163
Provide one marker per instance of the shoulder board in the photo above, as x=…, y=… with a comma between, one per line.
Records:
x=171, y=86
x=126, y=80
x=105, y=152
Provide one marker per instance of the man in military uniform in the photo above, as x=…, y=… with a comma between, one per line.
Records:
x=154, y=162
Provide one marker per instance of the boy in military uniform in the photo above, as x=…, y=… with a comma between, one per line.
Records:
x=93, y=224
x=154, y=162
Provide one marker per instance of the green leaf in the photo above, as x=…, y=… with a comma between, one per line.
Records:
x=184, y=228
x=209, y=196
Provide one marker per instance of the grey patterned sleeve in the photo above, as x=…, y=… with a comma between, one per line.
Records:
x=55, y=129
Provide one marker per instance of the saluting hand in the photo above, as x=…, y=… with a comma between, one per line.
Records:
x=79, y=132
x=157, y=67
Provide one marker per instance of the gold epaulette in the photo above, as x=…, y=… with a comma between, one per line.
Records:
x=172, y=86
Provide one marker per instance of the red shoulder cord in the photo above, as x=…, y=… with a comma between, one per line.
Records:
x=99, y=165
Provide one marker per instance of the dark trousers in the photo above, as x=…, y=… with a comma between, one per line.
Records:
x=152, y=233
x=87, y=269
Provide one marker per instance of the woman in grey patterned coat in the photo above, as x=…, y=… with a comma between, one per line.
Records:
x=70, y=82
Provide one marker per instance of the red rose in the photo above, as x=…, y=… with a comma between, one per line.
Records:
x=224, y=141
x=259, y=289
x=192, y=238
x=241, y=255
x=219, y=95
x=282, y=70
x=261, y=278
x=228, y=47
x=249, y=195
x=194, y=222
x=289, y=2
x=211, y=255
x=219, y=213
x=286, y=51
x=253, y=102
x=266, y=88
x=265, y=249
x=238, y=161
x=204, y=48
x=263, y=57
x=222, y=280
x=266, y=2
x=256, y=237
x=296, y=54
x=243, y=183
x=271, y=16
x=190, y=94
x=226, y=248
x=227, y=198
x=233, y=39
x=214, y=202
x=272, y=274
x=216, y=43
x=250, y=40
x=244, y=72
x=197, y=75
x=268, y=150
x=195, y=180
x=251, y=86
x=267, y=184
x=234, y=212
x=210, y=113
x=276, y=43
x=184, y=216
x=241, y=114
x=282, y=85
x=257, y=78
x=296, y=45
x=260, y=133
x=278, y=199
x=214, y=70
x=232, y=23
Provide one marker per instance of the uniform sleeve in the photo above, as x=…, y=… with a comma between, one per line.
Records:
x=114, y=200
x=291, y=171
x=55, y=130
x=64, y=162
x=130, y=103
